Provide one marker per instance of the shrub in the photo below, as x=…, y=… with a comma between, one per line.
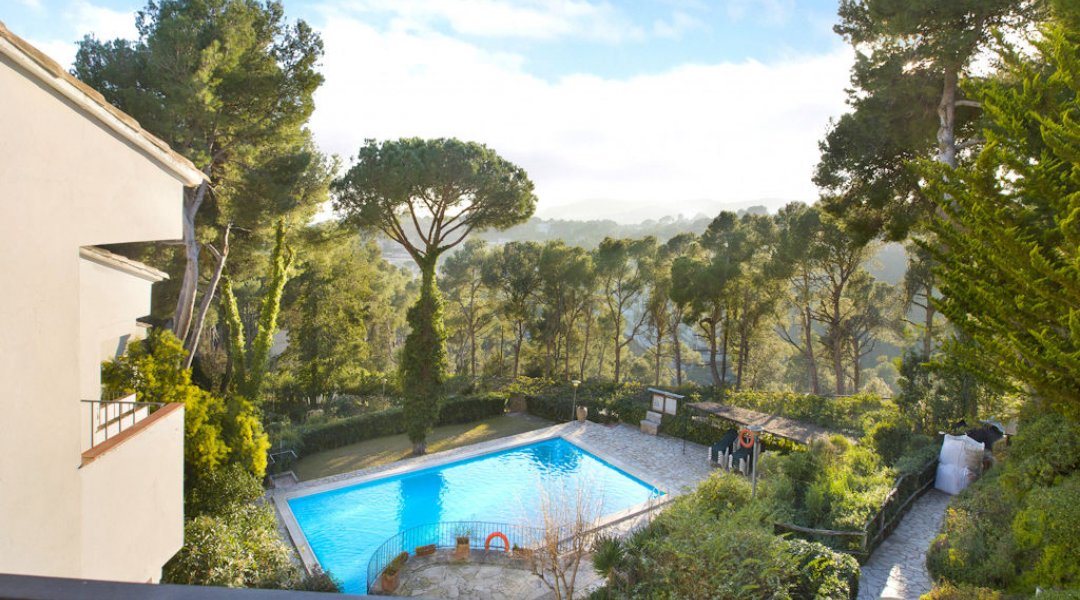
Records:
x=724, y=492
x=890, y=438
x=976, y=544
x=948, y=591
x=221, y=491
x=240, y=548
x=350, y=430
x=468, y=409
x=1044, y=451
x=1047, y=528
x=824, y=574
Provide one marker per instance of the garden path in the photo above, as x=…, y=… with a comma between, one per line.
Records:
x=897, y=569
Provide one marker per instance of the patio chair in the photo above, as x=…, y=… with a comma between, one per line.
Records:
x=721, y=449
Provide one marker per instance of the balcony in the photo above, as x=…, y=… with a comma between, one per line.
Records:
x=109, y=418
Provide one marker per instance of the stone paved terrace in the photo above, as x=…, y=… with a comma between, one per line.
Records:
x=897, y=569
x=487, y=575
x=668, y=463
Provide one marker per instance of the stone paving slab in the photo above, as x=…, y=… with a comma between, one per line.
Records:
x=897, y=569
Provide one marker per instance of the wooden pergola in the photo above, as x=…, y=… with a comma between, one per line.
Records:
x=782, y=427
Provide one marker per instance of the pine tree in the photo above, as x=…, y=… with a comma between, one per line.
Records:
x=1010, y=234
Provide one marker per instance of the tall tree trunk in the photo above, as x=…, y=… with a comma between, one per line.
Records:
x=585, y=344
x=856, y=368
x=618, y=347
x=709, y=326
x=185, y=302
x=723, y=369
x=946, y=135
x=676, y=348
x=519, y=337
x=808, y=334
x=659, y=348
x=192, y=343
x=928, y=330
x=837, y=343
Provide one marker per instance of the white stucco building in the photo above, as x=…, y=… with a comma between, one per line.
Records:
x=76, y=173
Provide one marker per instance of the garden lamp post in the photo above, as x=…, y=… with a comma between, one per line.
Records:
x=573, y=413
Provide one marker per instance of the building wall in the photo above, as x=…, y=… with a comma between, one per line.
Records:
x=65, y=182
x=130, y=531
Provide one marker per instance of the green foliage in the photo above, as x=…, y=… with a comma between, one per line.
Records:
x=248, y=366
x=424, y=363
x=824, y=574
x=976, y=544
x=948, y=591
x=1048, y=528
x=607, y=402
x=342, y=432
x=1016, y=528
x=1044, y=451
x=461, y=187
x=712, y=544
x=220, y=491
x=216, y=431
x=238, y=548
x=890, y=439
x=1009, y=275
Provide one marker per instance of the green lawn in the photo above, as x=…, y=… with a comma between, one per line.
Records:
x=381, y=451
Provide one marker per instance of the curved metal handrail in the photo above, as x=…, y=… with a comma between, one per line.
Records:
x=444, y=535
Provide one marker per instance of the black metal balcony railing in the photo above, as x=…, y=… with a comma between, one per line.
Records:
x=108, y=418
x=444, y=535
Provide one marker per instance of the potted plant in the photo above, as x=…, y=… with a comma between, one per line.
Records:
x=427, y=550
x=461, y=550
x=520, y=553
x=389, y=579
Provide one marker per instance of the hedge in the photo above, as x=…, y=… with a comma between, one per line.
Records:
x=350, y=430
x=607, y=402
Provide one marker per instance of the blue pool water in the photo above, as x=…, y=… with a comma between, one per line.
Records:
x=345, y=526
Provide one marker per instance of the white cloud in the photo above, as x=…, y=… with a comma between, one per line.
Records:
x=530, y=19
x=775, y=12
x=104, y=23
x=81, y=18
x=723, y=132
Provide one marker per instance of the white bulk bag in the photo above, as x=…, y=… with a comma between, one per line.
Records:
x=951, y=479
x=952, y=450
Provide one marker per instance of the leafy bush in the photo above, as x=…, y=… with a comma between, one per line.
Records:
x=948, y=591
x=1047, y=529
x=724, y=493
x=824, y=574
x=468, y=409
x=890, y=438
x=1044, y=451
x=607, y=402
x=342, y=432
x=221, y=491
x=976, y=545
x=238, y=548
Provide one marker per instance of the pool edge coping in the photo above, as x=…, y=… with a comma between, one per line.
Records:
x=280, y=498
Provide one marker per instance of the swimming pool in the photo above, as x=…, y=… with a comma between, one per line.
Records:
x=344, y=526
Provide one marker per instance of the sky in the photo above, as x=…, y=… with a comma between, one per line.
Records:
x=626, y=110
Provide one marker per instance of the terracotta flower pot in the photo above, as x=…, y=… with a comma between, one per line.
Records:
x=425, y=550
x=582, y=413
x=389, y=581
x=461, y=551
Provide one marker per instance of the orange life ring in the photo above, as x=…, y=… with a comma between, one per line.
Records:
x=501, y=536
x=746, y=438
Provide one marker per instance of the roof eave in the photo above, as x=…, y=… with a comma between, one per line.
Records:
x=50, y=73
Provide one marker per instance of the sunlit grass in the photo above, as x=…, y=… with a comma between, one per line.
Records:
x=392, y=448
